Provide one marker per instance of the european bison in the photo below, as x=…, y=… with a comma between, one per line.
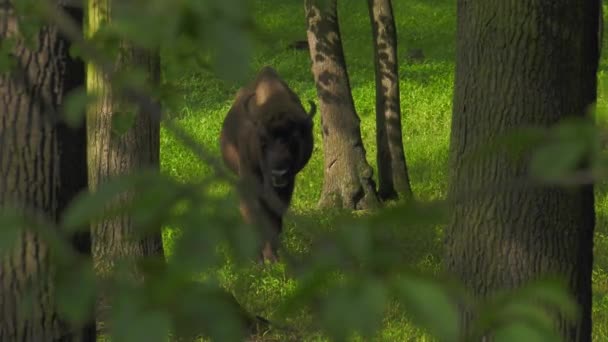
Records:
x=266, y=140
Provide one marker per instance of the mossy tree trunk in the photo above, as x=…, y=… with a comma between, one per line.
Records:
x=393, y=177
x=520, y=63
x=347, y=180
x=42, y=168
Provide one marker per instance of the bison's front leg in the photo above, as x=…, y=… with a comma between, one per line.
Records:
x=246, y=211
x=274, y=203
x=265, y=222
x=271, y=234
x=269, y=252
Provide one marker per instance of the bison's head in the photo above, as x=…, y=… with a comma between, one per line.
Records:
x=283, y=129
x=284, y=143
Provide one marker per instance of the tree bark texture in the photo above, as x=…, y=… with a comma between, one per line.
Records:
x=112, y=154
x=520, y=63
x=393, y=177
x=347, y=180
x=42, y=168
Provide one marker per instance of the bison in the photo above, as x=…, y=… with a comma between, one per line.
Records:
x=266, y=139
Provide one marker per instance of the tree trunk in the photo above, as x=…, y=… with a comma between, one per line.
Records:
x=347, y=180
x=520, y=64
x=393, y=178
x=112, y=153
x=42, y=168
x=600, y=27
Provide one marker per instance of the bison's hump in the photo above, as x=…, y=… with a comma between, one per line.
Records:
x=269, y=100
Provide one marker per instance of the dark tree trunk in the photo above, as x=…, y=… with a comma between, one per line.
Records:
x=42, y=168
x=601, y=27
x=347, y=180
x=112, y=154
x=393, y=178
x=519, y=64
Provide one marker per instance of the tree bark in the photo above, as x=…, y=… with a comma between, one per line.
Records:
x=393, y=177
x=42, y=168
x=600, y=27
x=520, y=63
x=347, y=180
x=111, y=154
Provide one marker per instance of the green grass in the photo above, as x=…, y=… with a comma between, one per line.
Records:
x=426, y=95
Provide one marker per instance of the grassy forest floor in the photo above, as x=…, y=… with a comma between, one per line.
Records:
x=426, y=95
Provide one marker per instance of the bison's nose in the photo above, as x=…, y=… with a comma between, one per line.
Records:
x=279, y=173
x=278, y=178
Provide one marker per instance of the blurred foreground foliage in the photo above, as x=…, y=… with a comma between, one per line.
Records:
x=348, y=277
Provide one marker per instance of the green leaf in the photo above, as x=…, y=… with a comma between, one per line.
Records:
x=76, y=52
x=556, y=160
x=571, y=142
x=136, y=77
x=30, y=21
x=216, y=314
x=521, y=331
x=536, y=304
x=553, y=294
x=105, y=40
x=357, y=240
x=242, y=239
x=74, y=108
x=170, y=97
x=12, y=224
x=76, y=291
x=429, y=305
x=154, y=200
x=7, y=61
x=356, y=307
x=307, y=290
x=232, y=51
x=412, y=213
x=527, y=312
x=196, y=248
x=577, y=128
x=149, y=326
x=122, y=122
x=515, y=143
x=96, y=205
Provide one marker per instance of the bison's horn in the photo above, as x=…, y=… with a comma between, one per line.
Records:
x=313, y=109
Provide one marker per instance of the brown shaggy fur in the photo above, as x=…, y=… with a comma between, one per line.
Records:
x=266, y=140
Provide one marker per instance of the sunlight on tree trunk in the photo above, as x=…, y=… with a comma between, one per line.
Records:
x=112, y=152
x=393, y=177
x=519, y=65
x=347, y=181
x=42, y=167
